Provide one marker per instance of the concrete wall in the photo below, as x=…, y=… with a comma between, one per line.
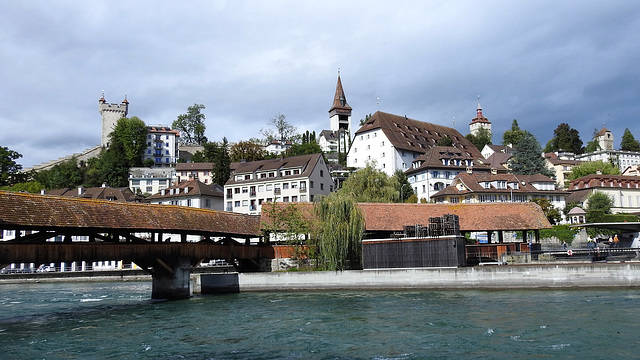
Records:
x=512, y=276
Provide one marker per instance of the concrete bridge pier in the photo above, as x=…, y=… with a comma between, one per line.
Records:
x=172, y=280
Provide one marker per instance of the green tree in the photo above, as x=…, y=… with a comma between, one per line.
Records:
x=592, y=145
x=552, y=214
x=592, y=167
x=33, y=187
x=482, y=138
x=404, y=187
x=283, y=130
x=528, y=160
x=191, y=126
x=303, y=149
x=565, y=138
x=599, y=201
x=247, y=150
x=629, y=143
x=66, y=174
x=341, y=227
x=9, y=168
x=129, y=137
x=218, y=154
x=445, y=141
x=371, y=186
x=514, y=135
x=366, y=118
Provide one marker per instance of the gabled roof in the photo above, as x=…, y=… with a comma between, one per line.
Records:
x=434, y=156
x=553, y=158
x=306, y=164
x=473, y=217
x=605, y=181
x=328, y=134
x=417, y=136
x=603, y=131
x=193, y=188
x=497, y=160
x=102, y=193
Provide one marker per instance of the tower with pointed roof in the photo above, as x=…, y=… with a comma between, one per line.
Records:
x=479, y=122
x=111, y=113
x=340, y=118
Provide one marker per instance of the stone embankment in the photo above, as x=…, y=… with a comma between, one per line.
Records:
x=585, y=275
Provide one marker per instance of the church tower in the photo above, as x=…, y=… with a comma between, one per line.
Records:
x=605, y=139
x=479, y=121
x=111, y=113
x=340, y=118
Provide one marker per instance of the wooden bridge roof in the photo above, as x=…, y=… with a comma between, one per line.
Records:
x=29, y=211
x=473, y=217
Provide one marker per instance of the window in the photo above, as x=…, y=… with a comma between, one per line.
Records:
x=311, y=184
x=149, y=189
x=294, y=199
x=321, y=173
x=285, y=199
x=260, y=188
x=207, y=203
x=321, y=186
x=269, y=187
x=382, y=155
x=237, y=204
x=454, y=199
x=245, y=190
x=296, y=172
x=285, y=186
x=382, y=143
x=245, y=202
x=287, y=173
x=236, y=191
x=135, y=182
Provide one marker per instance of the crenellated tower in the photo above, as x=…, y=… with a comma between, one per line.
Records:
x=111, y=113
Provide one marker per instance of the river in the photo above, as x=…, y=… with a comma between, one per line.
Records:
x=116, y=320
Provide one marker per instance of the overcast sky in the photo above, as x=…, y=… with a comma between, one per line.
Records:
x=540, y=62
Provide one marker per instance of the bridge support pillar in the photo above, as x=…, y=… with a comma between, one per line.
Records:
x=173, y=284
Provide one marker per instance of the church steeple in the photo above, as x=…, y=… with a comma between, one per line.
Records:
x=340, y=112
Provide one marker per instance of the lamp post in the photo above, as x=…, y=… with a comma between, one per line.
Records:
x=401, y=194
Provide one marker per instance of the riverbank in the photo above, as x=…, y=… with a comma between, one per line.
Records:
x=581, y=275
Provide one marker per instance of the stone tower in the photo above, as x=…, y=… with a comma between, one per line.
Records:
x=479, y=121
x=340, y=117
x=605, y=139
x=111, y=113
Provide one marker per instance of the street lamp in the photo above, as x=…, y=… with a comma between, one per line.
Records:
x=402, y=188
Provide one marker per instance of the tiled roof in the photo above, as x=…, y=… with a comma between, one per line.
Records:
x=472, y=185
x=554, y=160
x=194, y=166
x=605, y=181
x=102, y=193
x=434, y=156
x=414, y=135
x=578, y=196
x=603, y=131
x=497, y=160
x=306, y=164
x=473, y=217
x=194, y=187
x=29, y=211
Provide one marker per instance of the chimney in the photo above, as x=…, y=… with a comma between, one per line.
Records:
x=599, y=171
x=494, y=171
x=104, y=185
x=469, y=170
x=80, y=190
x=43, y=192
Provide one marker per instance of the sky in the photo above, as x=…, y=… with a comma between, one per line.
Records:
x=540, y=62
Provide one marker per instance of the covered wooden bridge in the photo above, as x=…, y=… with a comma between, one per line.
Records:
x=155, y=237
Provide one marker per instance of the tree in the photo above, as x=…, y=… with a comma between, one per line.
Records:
x=9, y=168
x=482, y=138
x=303, y=149
x=364, y=121
x=629, y=143
x=191, y=126
x=592, y=167
x=283, y=130
x=592, y=145
x=552, y=214
x=371, y=185
x=528, y=160
x=129, y=137
x=66, y=174
x=218, y=154
x=599, y=201
x=565, y=138
x=247, y=150
x=445, y=141
x=514, y=135
x=404, y=187
x=33, y=187
x=340, y=232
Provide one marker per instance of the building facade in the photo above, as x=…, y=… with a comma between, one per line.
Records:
x=191, y=193
x=437, y=168
x=194, y=171
x=162, y=146
x=469, y=188
x=144, y=180
x=293, y=179
x=623, y=190
x=561, y=163
x=391, y=142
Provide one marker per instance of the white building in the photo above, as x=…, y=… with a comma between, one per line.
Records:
x=479, y=122
x=191, y=193
x=623, y=190
x=194, y=171
x=162, y=146
x=436, y=169
x=293, y=179
x=621, y=158
x=277, y=147
x=393, y=142
x=150, y=180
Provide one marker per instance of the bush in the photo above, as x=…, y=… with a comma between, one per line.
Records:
x=562, y=232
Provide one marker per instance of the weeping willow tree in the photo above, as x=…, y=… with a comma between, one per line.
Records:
x=340, y=232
